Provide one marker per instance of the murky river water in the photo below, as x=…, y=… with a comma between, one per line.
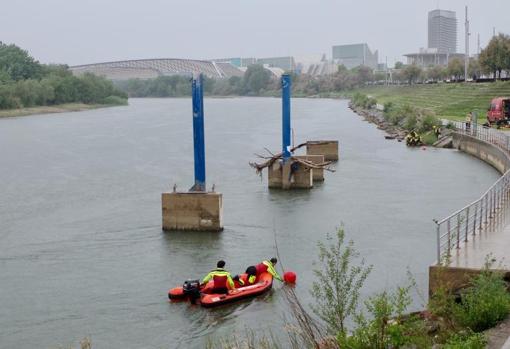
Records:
x=81, y=248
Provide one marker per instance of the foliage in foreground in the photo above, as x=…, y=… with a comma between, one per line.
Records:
x=485, y=303
x=383, y=321
x=338, y=282
x=466, y=341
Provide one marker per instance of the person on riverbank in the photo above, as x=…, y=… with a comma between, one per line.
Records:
x=221, y=278
x=437, y=131
x=268, y=266
x=469, y=119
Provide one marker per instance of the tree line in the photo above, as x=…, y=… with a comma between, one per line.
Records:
x=24, y=82
x=492, y=62
x=256, y=81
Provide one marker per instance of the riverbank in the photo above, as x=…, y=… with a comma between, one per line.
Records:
x=447, y=101
x=61, y=108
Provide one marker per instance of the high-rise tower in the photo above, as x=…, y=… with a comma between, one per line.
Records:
x=443, y=31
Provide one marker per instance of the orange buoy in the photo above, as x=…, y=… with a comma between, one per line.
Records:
x=289, y=277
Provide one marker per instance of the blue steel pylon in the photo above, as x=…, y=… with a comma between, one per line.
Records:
x=286, y=90
x=197, y=96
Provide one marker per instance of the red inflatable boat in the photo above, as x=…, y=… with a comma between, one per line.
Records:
x=191, y=289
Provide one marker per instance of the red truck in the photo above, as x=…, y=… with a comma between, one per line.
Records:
x=499, y=111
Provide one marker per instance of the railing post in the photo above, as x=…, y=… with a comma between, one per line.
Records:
x=438, y=234
x=448, y=225
x=458, y=231
x=486, y=209
x=467, y=225
x=474, y=219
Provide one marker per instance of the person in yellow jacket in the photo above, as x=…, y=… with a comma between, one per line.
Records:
x=221, y=278
x=268, y=266
x=251, y=276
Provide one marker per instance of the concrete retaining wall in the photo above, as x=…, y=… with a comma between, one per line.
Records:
x=455, y=278
x=482, y=150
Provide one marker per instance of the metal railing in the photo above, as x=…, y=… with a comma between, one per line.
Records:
x=489, y=213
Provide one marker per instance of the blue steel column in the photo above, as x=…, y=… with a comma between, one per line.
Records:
x=198, y=133
x=286, y=87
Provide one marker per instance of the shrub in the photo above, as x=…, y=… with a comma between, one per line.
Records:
x=428, y=122
x=370, y=103
x=114, y=100
x=485, y=303
x=410, y=122
x=388, y=107
x=388, y=327
x=466, y=341
x=428, y=138
x=339, y=282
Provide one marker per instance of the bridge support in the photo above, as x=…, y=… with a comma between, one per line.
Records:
x=287, y=173
x=327, y=148
x=196, y=209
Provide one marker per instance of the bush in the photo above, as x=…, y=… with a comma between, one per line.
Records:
x=388, y=107
x=485, y=303
x=339, y=282
x=428, y=122
x=410, y=122
x=114, y=100
x=388, y=327
x=466, y=341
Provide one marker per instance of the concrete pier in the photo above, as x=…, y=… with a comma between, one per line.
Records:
x=327, y=148
x=280, y=177
x=200, y=211
x=318, y=173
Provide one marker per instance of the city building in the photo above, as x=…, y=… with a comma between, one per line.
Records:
x=443, y=31
x=285, y=63
x=442, y=41
x=431, y=56
x=355, y=55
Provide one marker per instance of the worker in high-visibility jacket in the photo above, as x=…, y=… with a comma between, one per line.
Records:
x=221, y=278
x=268, y=266
x=249, y=278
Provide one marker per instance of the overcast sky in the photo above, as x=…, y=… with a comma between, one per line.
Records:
x=90, y=31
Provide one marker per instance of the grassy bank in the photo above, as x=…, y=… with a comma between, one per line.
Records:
x=449, y=101
x=61, y=108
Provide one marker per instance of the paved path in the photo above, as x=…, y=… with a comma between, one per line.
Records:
x=473, y=254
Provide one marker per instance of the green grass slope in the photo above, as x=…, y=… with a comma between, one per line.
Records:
x=449, y=101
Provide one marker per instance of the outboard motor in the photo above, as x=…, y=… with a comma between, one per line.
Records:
x=191, y=288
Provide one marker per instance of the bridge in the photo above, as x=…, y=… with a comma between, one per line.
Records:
x=152, y=68
x=478, y=234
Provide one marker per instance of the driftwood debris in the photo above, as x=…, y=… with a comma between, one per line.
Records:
x=272, y=158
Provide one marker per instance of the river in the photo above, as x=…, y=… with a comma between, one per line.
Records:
x=81, y=247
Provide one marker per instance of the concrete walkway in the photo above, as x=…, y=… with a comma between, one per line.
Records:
x=473, y=253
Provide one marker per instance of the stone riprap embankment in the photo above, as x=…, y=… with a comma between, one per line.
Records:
x=376, y=116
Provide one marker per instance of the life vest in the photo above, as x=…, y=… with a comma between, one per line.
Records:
x=261, y=268
x=220, y=277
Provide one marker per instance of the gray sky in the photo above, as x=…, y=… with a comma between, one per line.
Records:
x=90, y=31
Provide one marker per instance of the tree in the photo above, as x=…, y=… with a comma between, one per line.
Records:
x=18, y=64
x=399, y=65
x=339, y=281
x=435, y=73
x=496, y=56
x=255, y=79
x=364, y=74
x=456, y=68
x=411, y=73
x=474, y=68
